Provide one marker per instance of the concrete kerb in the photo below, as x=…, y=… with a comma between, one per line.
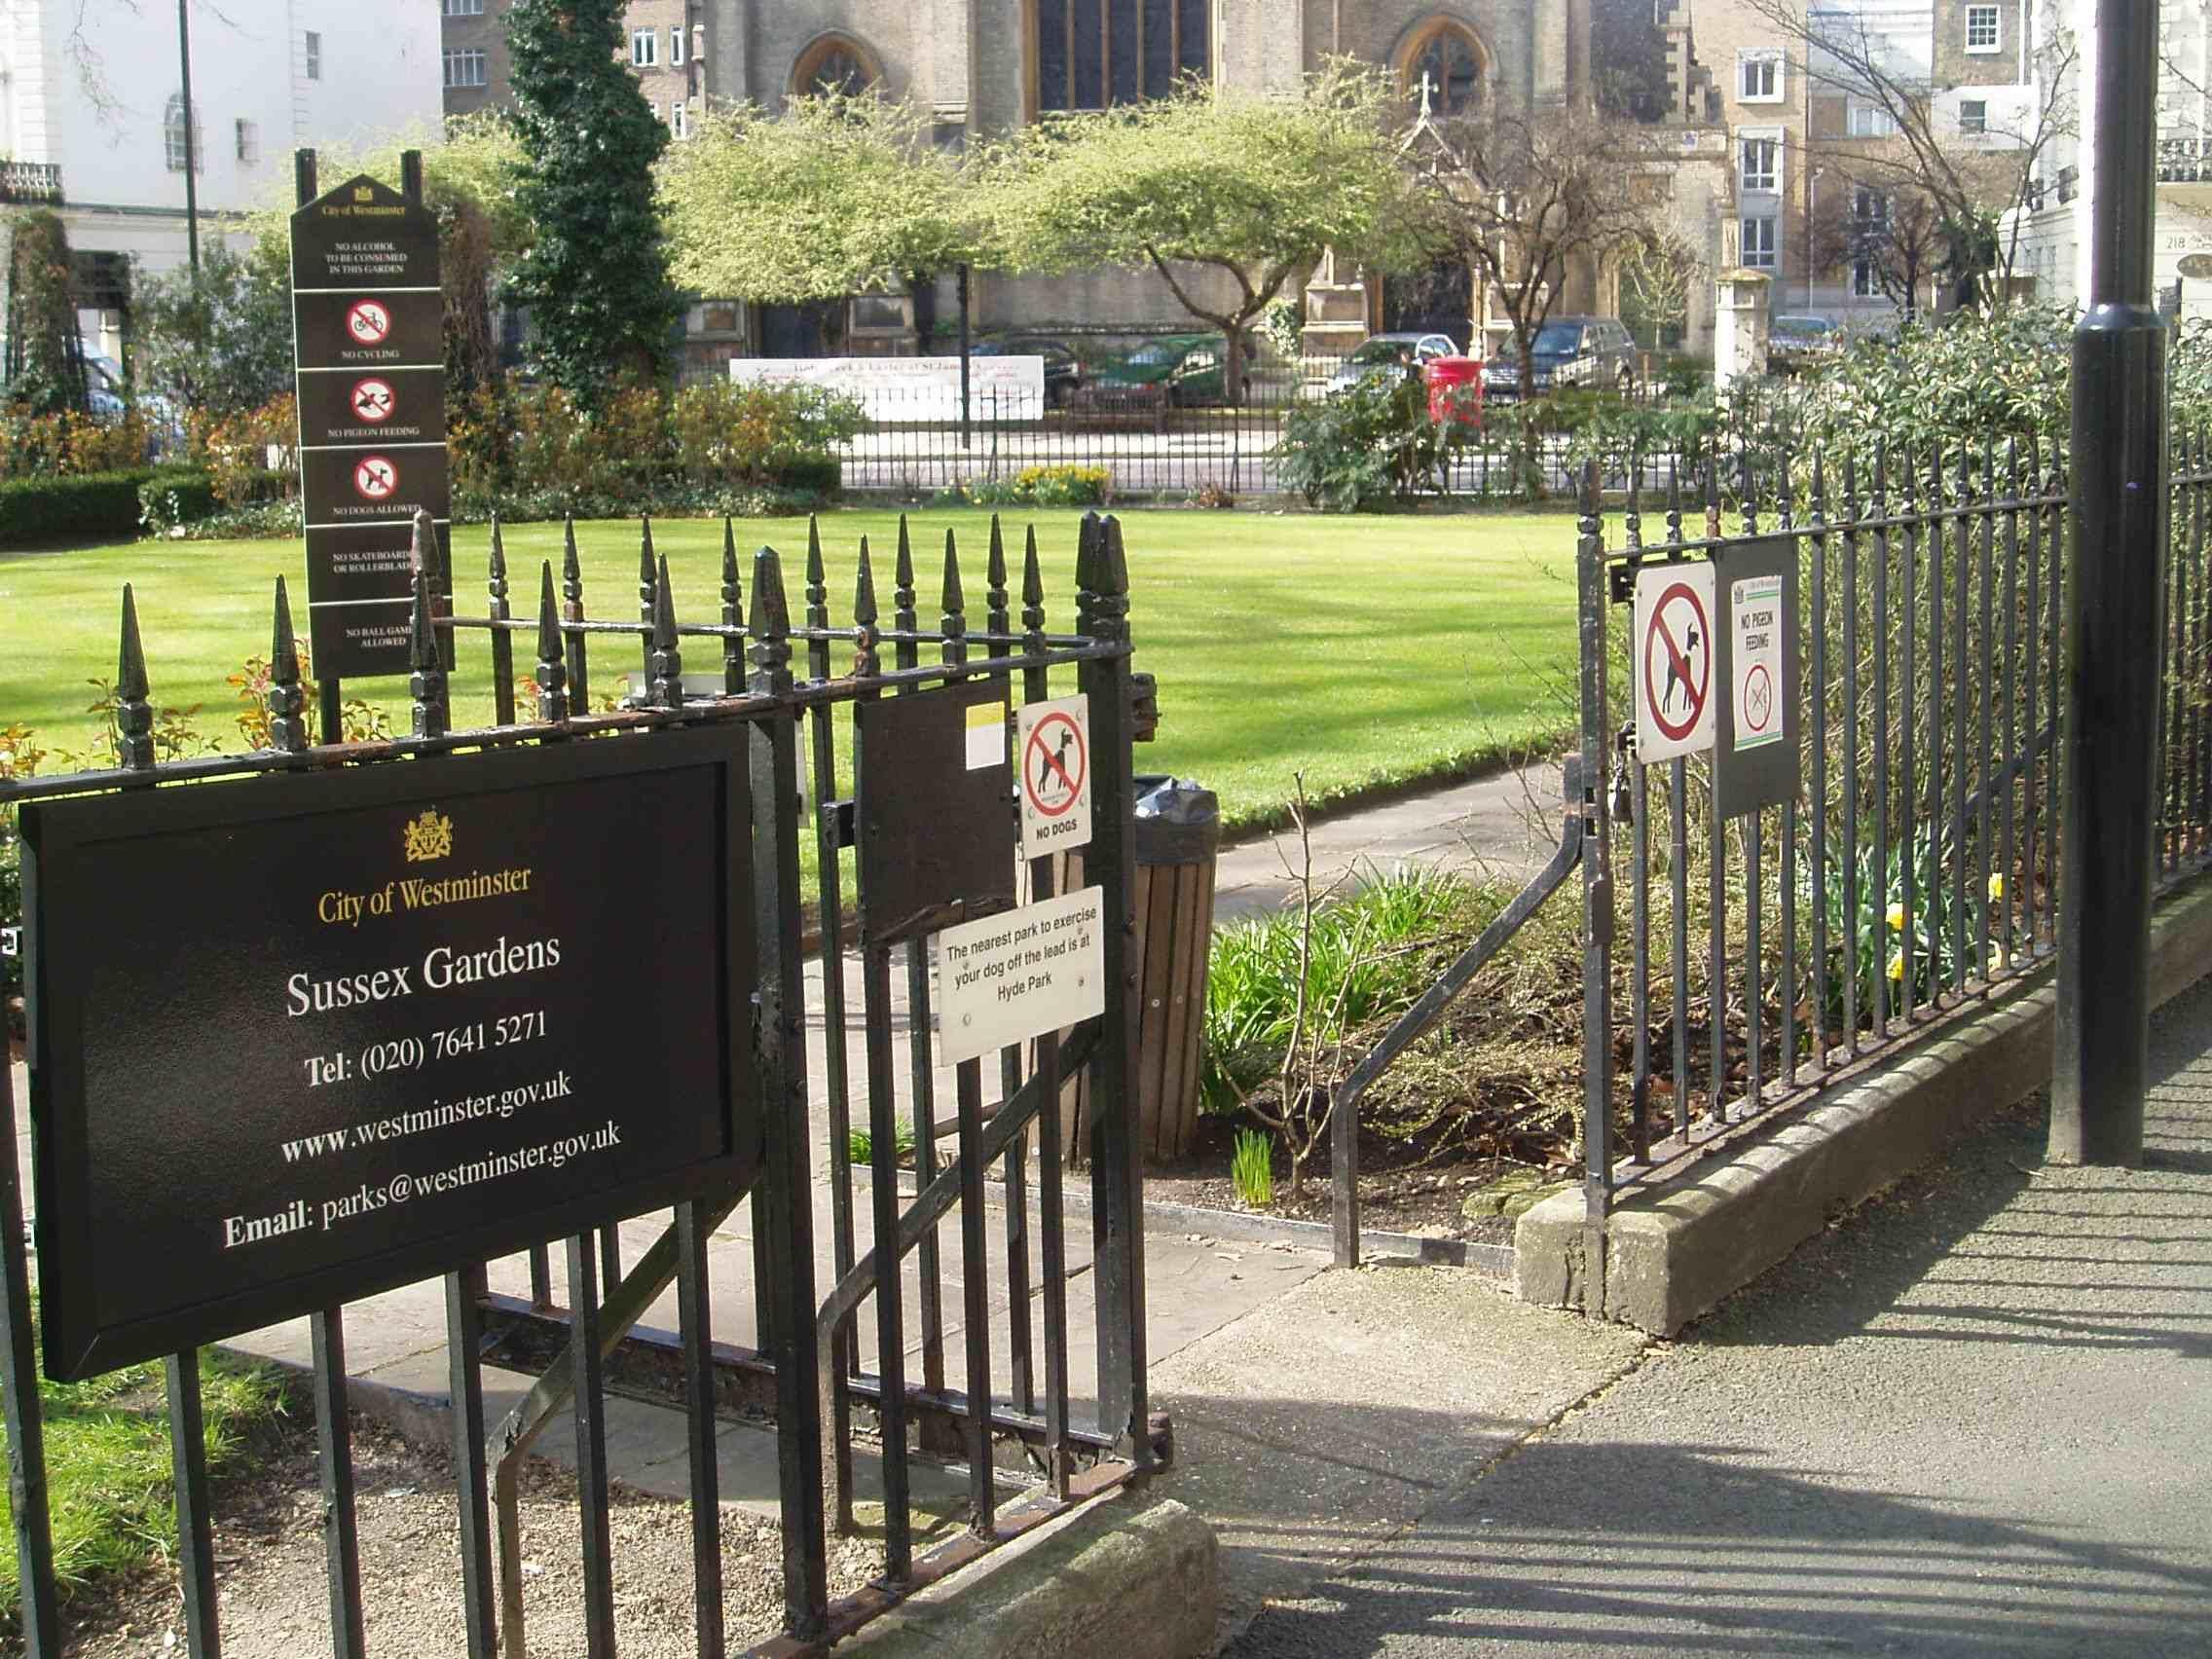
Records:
x=1674, y=1251
x=1122, y=1578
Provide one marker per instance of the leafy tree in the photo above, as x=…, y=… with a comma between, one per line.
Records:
x=840, y=194
x=1950, y=190
x=223, y=344
x=1525, y=197
x=1658, y=275
x=45, y=363
x=596, y=278
x=1252, y=189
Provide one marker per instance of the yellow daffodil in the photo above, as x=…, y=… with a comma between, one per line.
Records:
x=1997, y=885
x=1897, y=918
x=1897, y=967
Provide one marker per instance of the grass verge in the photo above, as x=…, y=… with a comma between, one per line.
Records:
x=107, y=1466
x=1372, y=653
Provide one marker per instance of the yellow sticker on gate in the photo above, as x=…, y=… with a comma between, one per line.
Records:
x=986, y=735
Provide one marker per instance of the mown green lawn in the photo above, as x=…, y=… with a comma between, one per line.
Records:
x=1365, y=651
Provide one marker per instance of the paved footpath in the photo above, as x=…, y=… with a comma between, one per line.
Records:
x=1974, y=1419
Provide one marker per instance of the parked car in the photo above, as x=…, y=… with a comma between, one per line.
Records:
x=1063, y=369
x=1594, y=351
x=1172, y=372
x=1387, y=353
x=1794, y=344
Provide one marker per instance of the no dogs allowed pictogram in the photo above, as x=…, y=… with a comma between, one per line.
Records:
x=1056, y=775
x=375, y=478
x=1674, y=648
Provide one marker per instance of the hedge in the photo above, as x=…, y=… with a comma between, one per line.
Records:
x=103, y=505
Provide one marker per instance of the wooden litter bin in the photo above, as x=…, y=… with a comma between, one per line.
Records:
x=1178, y=836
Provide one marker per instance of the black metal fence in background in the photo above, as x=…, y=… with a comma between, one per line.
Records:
x=1026, y=1459
x=917, y=443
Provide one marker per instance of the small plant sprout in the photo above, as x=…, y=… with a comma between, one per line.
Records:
x=1253, y=1169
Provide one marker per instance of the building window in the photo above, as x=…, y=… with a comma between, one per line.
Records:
x=1759, y=240
x=1443, y=68
x=173, y=142
x=1095, y=52
x=1973, y=115
x=1759, y=77
x=1871, y=120
x=464, y=8
x=680, y=119
x=312, y=52
x=675, y=45
x=835, y=63
x=464, y=66
x=1983, y=33
x=645, y=47
x=250, y=143
x=1864, y=286
x=1761, y=164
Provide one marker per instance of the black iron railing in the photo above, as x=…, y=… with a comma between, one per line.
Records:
x=581, y=1337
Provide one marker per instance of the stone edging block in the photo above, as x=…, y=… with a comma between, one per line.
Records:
x=1142, y=1585
x=1675, y=1250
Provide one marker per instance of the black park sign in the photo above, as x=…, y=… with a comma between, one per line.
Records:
x=300, y=1040
x=368, y=335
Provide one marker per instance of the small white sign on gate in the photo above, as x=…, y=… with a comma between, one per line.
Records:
x=1671, y=660
x=1019, y=974
x=1754, y=611
x=1054, y=740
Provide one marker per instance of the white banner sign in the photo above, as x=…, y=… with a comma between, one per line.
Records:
x=1019, y=974
x=912, y=388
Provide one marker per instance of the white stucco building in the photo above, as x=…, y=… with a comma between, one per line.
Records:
x=90, y=106
x=2054, y=230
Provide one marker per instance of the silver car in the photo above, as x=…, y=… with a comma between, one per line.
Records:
x=1387, y=353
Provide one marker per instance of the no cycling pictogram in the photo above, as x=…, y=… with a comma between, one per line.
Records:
x=368, y=322
x=375, y=478
x=1678, y=644
x=373, y=401
x=1053, y=765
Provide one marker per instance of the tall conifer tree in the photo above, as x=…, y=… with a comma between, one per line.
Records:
x=596, y=278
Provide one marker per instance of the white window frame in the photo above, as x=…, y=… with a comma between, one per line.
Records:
x=644, y=49
x=459, y=60
x=1980, y=126
x=676, y=46
x=464, y=8
x=1863, y=285
x=1765, y=60
x=173, y=136
x=1869, y=121
x=248, y=138
x=1762, y=250
x=680, y=119
x=1995, y=16
x=1769, y=182
x=311, y=51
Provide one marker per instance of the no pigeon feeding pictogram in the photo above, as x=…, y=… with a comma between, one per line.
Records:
x=368, y=322
x=373, y=401
x=1673, y=660
x=375, y=477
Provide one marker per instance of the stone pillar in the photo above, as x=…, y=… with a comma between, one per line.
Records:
x=1739, y=325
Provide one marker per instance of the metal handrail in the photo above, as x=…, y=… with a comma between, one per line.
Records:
x=1419, y=1020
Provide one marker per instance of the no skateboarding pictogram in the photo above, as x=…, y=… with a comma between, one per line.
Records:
x=1056, y=775
x=373, y=401
x=375, y=478
x=368, y=322
x=1673, y=660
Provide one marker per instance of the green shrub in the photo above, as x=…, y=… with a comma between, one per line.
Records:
x=170, y=500
x=1366, y=446
x=92, y=505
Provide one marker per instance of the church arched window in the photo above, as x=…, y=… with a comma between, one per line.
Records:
x=835, y=63
x=1446, y=62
